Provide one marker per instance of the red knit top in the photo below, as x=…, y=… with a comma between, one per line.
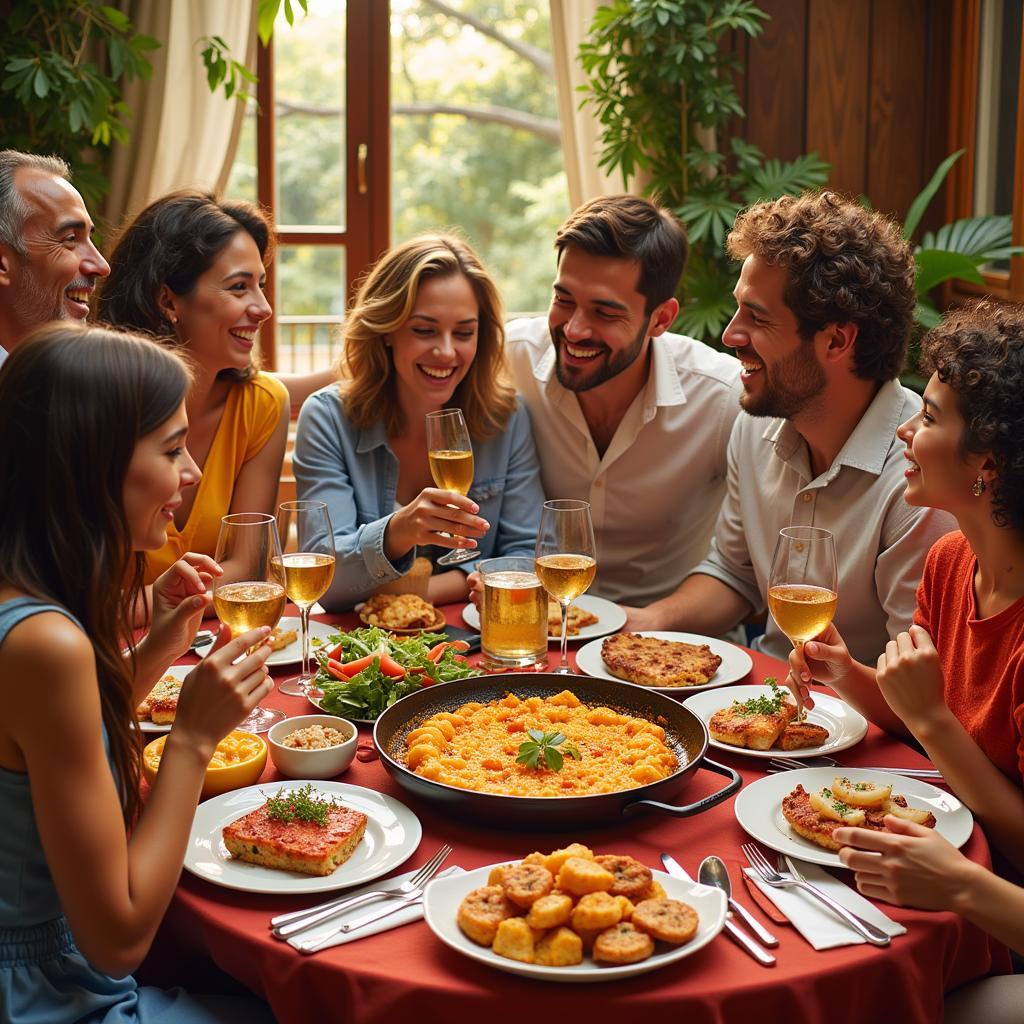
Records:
x=982, y=659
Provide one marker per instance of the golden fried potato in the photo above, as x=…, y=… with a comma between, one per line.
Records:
x=560, y=948
x=515, y=940
x=669, y=920
x=482, y=911
x=596, y=910
x=497, y=874
x=537, y=858
x=622, y=944
x=654, y=892
x=524, y=884
x=632, y=879
x=625, y=906
x=578, y=877
x=550, y=911
x=554, y=861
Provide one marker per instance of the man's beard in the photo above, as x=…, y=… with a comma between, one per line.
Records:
x=789, y=387
x=606, y=367
x=34, y=305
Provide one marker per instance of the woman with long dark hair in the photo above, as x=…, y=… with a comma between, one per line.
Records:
x=93, y=459
x=189, y=272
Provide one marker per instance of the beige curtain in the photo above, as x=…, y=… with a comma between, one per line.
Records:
x=581, y=145
x=182, y=135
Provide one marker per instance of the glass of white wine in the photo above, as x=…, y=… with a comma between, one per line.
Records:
x=566, y=559
x=251, y=592
x=308, y=572
x=803, y=582
x=450, y=454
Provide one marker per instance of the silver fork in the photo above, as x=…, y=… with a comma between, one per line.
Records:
x=416, y=896
x=787, y=764
x=296, y=921
x=771, y=877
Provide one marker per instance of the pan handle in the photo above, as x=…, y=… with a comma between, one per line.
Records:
x=701, y=805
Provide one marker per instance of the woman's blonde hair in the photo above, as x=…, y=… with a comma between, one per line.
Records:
x=385, y=301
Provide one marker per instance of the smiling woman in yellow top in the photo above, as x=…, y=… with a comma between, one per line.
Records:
x=189, y=270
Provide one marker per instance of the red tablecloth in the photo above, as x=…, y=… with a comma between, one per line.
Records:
x=406, y=974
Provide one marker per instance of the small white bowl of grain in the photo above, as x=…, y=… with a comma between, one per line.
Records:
x=312, y=746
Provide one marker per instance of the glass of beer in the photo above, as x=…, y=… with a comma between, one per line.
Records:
x=513, y=616
x=450, y=455
x=802, y=583
x=308, y=573
x=566, y=559
x=251, y=593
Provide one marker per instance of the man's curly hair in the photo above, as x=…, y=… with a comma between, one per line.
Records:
x=846, y=265
x=979, y=352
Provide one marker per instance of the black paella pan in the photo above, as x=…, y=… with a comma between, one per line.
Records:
x=686, y=736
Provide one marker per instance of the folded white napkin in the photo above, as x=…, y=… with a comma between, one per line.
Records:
x=411, y=912
x=813, y=920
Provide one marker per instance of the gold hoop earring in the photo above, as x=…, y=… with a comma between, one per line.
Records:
x=978, y=487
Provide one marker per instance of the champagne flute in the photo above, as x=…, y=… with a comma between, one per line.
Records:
x=251, y=592
x=802, y=584
x=450, y=455
x=308, y=573
x=566, y=558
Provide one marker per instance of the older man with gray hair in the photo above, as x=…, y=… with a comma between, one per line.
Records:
x=48, y=262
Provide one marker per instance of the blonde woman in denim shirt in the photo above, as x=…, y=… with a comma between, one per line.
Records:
x=426, y=333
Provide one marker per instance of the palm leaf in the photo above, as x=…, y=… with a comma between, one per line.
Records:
x=937, y=265
x=927, y=194
x=708, y=304
x=776, y=178
x=982, y=238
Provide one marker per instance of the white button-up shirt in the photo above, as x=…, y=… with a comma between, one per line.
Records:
x=655, y=492
x=881, y=541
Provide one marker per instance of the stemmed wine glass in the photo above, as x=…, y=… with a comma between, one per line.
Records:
x=802, y=583
x=450, y=455
x=566, y=559
x=251, y=592
x=308, y=573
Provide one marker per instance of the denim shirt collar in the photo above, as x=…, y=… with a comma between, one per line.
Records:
x=373, y=436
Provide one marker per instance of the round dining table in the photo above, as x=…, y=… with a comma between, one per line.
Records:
x=405, y=974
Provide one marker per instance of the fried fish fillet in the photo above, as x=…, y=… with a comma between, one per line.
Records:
x=652, y=662
x=576, y=620
x=281, y=638
x=399, y=611
x=798, y=735
x=807, y=822
x=733, y=725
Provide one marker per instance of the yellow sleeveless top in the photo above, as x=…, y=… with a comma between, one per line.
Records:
x=251, y=414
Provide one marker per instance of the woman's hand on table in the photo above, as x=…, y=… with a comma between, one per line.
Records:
x=180, y=601
x=431, y=513
x=910, y=678
x=909, y=865
x=218, y=693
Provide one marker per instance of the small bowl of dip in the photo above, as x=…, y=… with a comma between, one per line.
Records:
x=312, y=746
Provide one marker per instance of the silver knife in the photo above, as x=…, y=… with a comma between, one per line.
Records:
x=740, y=937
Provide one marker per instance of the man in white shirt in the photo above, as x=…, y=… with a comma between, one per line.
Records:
x=825, y=308
x=48, y=263
x=626, y=416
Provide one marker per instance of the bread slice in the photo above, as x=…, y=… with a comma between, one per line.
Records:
x=754, y=731
x=161, y=704
x=302, y=846
x=652, y=662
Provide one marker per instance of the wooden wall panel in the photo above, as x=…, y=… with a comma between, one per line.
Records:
x=837, y=89
x=775, y=80
x=896, y=125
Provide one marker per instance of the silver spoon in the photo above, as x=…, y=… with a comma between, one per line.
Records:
x=712, y=871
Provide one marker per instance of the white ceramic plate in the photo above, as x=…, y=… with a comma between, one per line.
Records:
x=736, y=663
x=392, y=835
x=292, y=654
x=179, y=672
x=759, y=809
x=845, y=725
x=443, y=896
x=610, y=618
